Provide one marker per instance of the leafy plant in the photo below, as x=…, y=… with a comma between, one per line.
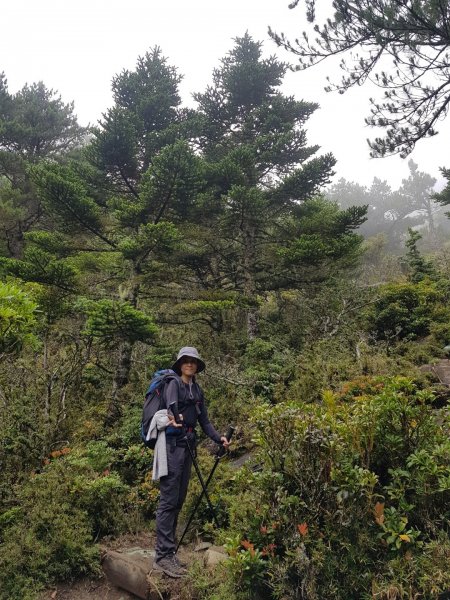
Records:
x=347, y=489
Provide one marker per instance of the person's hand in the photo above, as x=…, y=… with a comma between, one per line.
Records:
x=172, y=422
x=225, y=442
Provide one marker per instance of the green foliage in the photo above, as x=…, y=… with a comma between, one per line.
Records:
x=22, y=436
x=210, y=585
x=53, y=242
x=406, y=310
x=115, y=145
x=261, y=180
x=110, y=320
x=66, y=197
x=99, y=455
x=35, y=122
x=172, y=181
x=17, y=318
x=42, y=267
x=412, y=35
x=205, y=228
x=60, y=511
x=34, y=125
x=144, y=119
x=419, y=267
x=156, y=239
x=326, y=237
x=348, y=490
x=263, y=366
x=246, y=564
x=50, y=540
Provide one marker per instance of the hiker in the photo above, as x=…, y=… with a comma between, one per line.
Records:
x=185, y=395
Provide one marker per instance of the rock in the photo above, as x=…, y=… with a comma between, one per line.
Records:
x=442, y=370
x=202, y=546
x=237, y=463
x=214, y=556
x=131, y=571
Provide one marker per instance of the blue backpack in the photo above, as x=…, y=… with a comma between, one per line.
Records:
x=154, y=401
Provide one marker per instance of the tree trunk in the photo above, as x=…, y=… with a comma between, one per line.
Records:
x=121, y=378
x=123, y=368
x=48, y=395
x=249, y=258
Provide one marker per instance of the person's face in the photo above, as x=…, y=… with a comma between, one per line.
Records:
x=188, y=366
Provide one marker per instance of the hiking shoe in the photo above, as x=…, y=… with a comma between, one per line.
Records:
x=180, y=564
x=168, y=566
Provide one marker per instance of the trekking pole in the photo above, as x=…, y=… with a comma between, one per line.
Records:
x=176, y=414
x=219, y=454
x=202, y=483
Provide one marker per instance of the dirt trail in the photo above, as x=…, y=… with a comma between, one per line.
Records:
x=87, y=589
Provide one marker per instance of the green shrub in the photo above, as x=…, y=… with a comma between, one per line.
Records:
x=353, y=496
x=408, y=310
x=61, y=511
x=50, y=540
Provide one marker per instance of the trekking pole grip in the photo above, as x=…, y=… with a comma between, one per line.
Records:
x=228, y=435
x=230, y=432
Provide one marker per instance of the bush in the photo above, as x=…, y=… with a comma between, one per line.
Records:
x=50, y=539
x=407, y=311
x=60, y=512
x=353, y=497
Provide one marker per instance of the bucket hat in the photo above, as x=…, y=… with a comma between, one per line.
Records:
x=192, y=353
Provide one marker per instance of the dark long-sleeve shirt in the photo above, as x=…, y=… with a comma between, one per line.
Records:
x=191, y=405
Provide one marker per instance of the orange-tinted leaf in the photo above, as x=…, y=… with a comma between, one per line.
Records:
x=378, y=512
x=248, y=546
x=405, y=537
x=268, y=550
x=302, y=528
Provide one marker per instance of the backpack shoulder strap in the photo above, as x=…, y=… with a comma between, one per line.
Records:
x=170, y=376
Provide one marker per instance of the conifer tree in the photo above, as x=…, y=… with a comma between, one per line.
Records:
x=35, y=124
x=127, y=198
x=261, y=177
x=401, y=45
x=416, y=194
x=419, y=267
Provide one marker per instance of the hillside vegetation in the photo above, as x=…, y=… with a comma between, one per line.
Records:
x=167, y=226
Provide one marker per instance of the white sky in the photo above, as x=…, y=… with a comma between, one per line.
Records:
x=77, y=47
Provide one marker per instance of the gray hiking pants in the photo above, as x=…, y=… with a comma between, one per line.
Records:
x=173, y=489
